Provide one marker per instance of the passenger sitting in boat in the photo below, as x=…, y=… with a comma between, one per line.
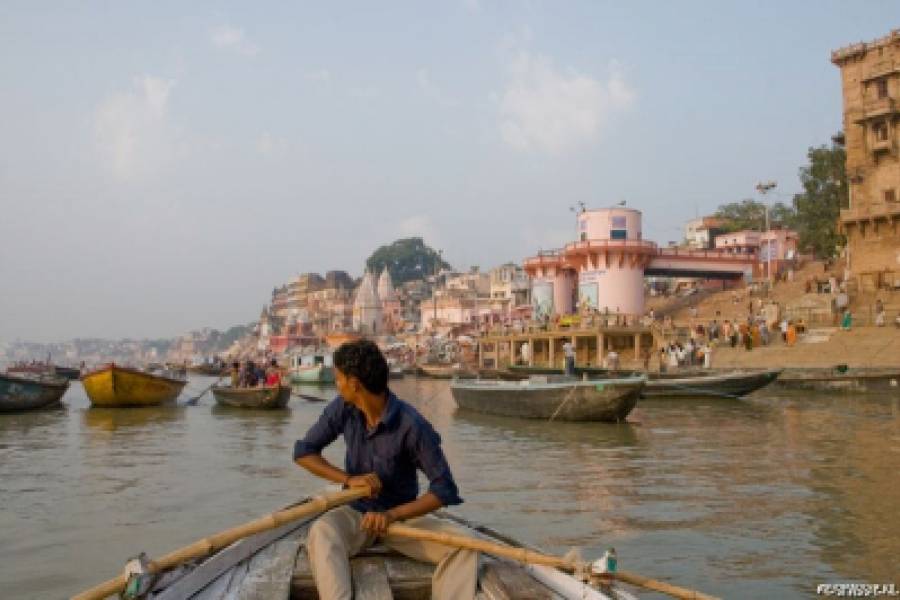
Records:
x=260, y=374
x=250, y=377
x=235, y=374
x=273, y=375
x=387, y=441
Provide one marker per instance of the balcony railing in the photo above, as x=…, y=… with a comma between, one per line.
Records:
x=870, y=211
x=643, y=246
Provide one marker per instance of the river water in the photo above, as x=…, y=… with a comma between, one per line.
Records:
x=758, y=498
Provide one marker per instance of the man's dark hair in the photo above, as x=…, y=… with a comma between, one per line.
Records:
x=363, y=360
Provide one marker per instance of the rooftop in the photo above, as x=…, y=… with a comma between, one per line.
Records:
x=859, y=49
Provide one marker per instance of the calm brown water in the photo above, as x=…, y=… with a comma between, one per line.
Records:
x=760, y=498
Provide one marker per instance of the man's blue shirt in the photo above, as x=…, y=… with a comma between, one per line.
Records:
x=402, y=442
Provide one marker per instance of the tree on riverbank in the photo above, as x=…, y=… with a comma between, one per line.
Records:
x=751, y=214
x=814, y=212
x=406, y=259
x=825, y=192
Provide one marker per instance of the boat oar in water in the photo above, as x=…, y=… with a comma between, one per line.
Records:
x=309, y=398
x=193, y=401
x=213, y=543
x=531, y=557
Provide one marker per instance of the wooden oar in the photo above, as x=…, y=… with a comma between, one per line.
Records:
x=312, y=398
x=193, y=401
x=524, y=555
x=207, y=546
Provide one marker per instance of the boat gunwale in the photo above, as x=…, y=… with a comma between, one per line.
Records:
x=505, y=385
x=133, y=371
x=59, y=382
x=712, y=377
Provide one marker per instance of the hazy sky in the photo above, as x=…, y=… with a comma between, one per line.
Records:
x=163, y=165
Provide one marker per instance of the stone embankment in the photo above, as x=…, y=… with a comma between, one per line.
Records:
x=823, y=345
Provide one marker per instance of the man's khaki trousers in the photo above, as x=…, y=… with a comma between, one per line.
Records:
x=336, y=536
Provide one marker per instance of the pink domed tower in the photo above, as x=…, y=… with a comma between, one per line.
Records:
x=603, y=269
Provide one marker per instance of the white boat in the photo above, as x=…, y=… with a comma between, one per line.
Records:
x=312, y=367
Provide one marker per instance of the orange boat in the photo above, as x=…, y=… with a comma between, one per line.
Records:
x=113, y=385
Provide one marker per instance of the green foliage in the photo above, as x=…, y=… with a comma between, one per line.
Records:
x=406, y=259
x=825, y=192
x=751, y=214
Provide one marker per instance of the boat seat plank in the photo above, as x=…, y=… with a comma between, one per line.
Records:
x=409, y=579
x=370, y=580
x=504, y=581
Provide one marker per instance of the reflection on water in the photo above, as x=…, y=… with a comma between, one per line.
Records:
x=113, y=419
x=764, y=497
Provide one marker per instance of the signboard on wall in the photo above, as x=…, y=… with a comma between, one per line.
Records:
x=589, y=289
x=541, y=299
x=587, y=296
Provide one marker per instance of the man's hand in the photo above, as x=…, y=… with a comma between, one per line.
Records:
x=376, y=523
x=369, y=480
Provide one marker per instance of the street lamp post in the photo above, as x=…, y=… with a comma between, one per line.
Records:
x=764, y=187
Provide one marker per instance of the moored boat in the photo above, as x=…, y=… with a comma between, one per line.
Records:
x=312, y=368
x=113, y=385
x=211, y=370
x=22, y=393
x=551, y=397
x=855, y=380
x=41, y=368
x=445, y=371
x=255, y=397
x=731, y=384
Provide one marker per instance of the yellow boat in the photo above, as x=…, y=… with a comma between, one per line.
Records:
x=120, y=386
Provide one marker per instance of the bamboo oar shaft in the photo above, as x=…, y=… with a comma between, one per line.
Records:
x=215, y=542
x=661, y=586
x=536, y=558
x=462, y=541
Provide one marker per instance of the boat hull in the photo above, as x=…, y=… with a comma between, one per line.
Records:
x=20, y=394
x=445, y=372
x=725, y=385
x=854, y=380
x=608, y=400
x=119, y=386
x=256, y=398
x=314, y=374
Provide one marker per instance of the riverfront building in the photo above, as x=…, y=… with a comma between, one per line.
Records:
x=870, y=82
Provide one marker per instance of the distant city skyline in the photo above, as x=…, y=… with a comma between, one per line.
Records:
x=164, y=166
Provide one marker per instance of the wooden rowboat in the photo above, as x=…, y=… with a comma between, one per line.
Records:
x=257, y=397
x=854, y=380
x=445, y=371
x=113, y=385
x=41, y=368
x=722, y=385
x=274, y=565
x=21, y=393
x=551, y=397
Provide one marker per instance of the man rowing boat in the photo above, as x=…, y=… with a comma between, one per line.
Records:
x=387, y=442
